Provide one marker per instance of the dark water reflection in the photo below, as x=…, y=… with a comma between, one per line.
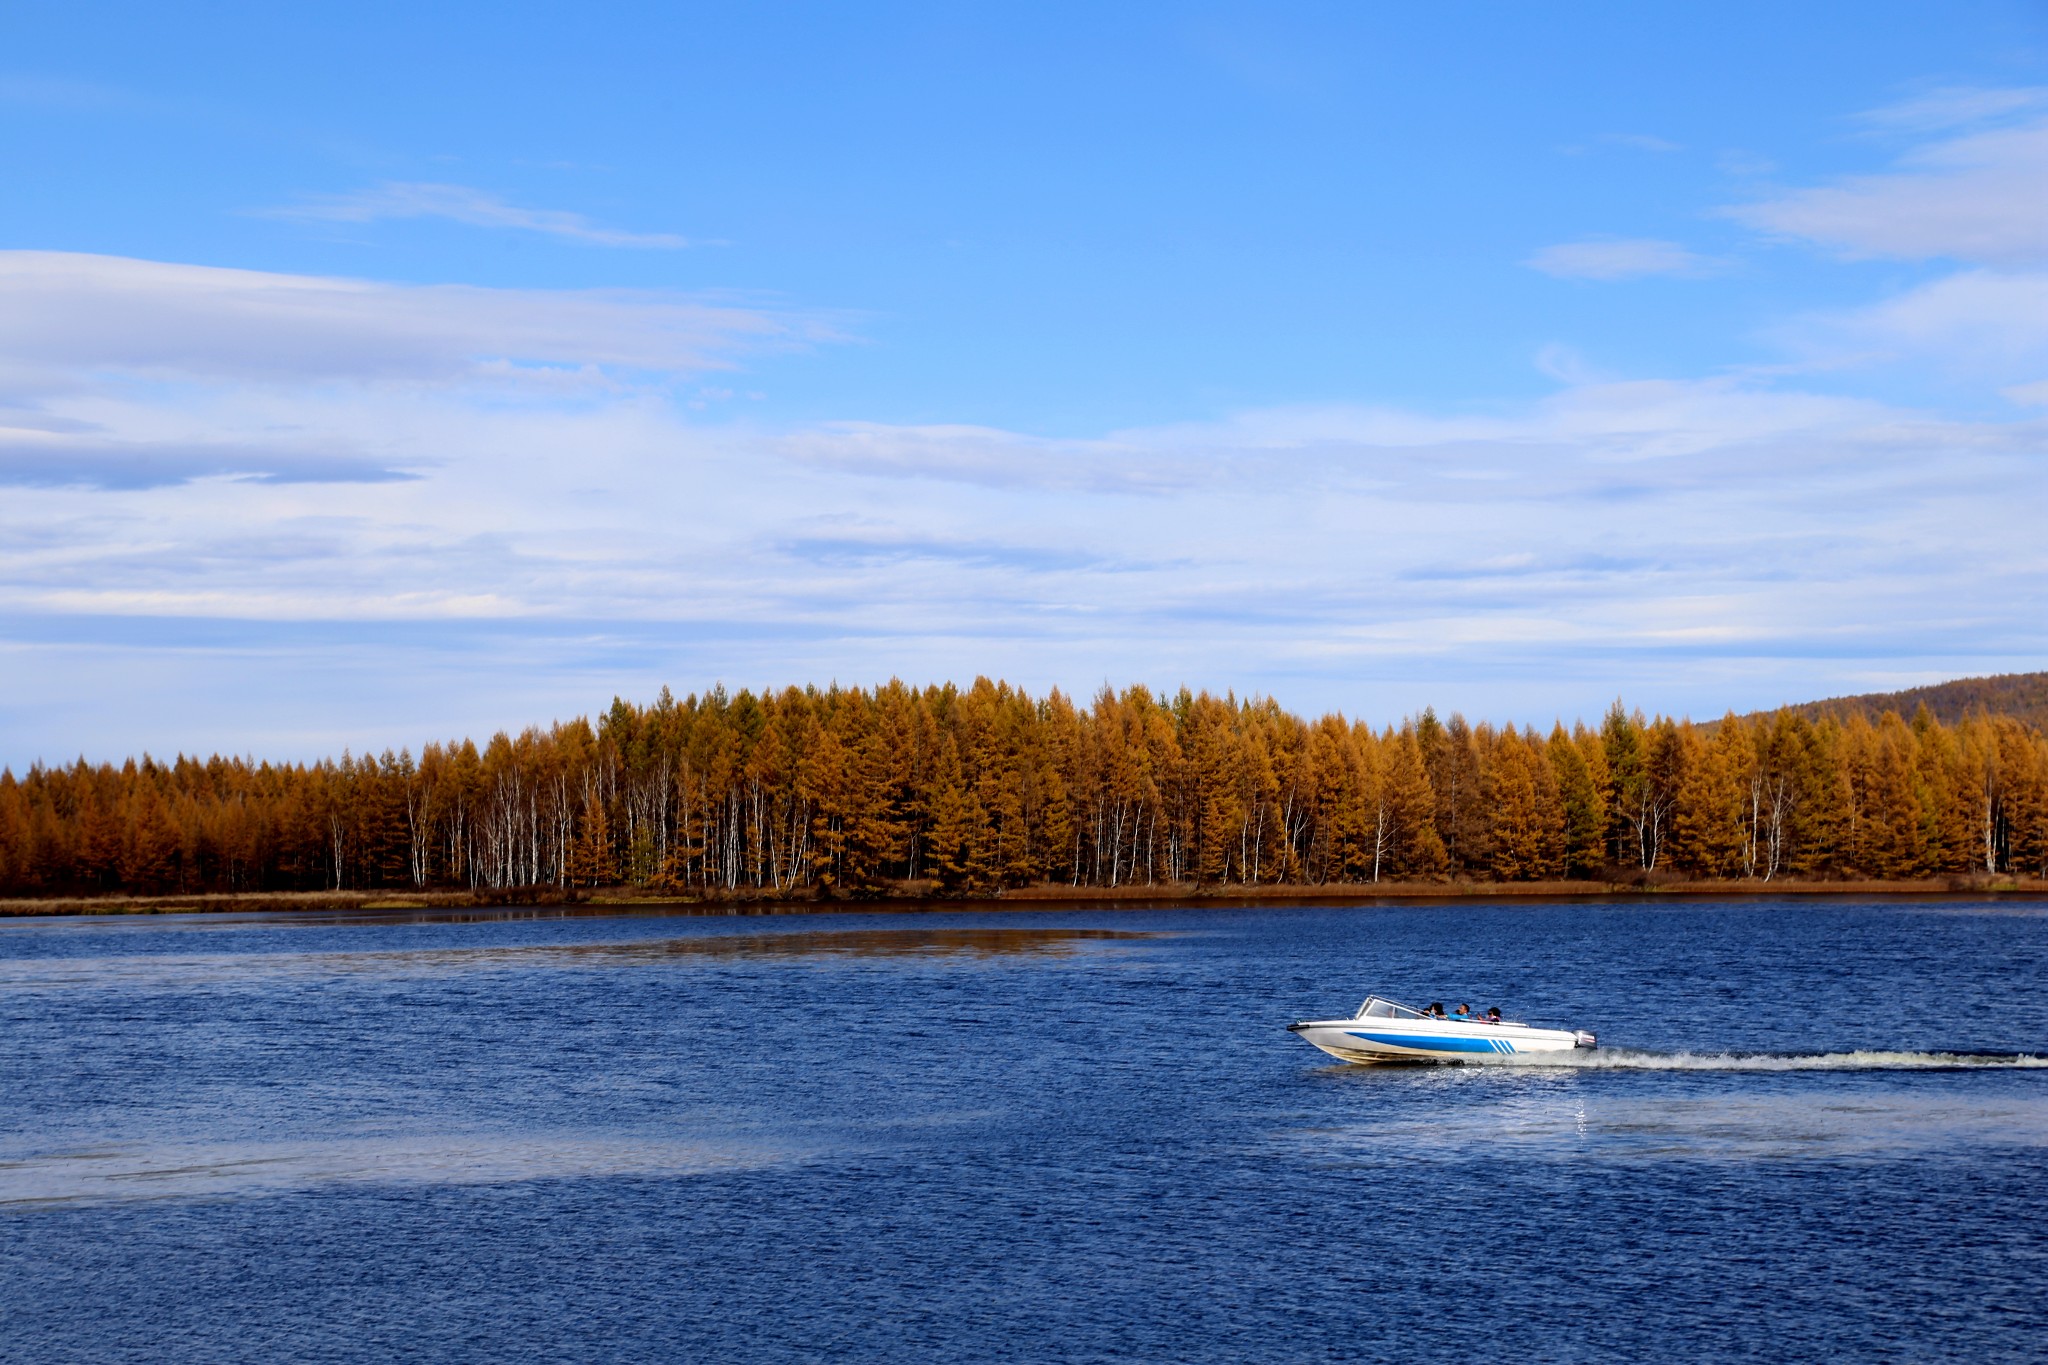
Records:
x=191, y=970
x=1814, y=1132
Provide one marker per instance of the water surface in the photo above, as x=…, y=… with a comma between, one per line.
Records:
x=1811, y=1131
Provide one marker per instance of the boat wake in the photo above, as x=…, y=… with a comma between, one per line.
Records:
x=1626, y=1059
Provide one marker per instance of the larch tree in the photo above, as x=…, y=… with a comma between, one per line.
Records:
x=1583, y=811
x=1528, y=827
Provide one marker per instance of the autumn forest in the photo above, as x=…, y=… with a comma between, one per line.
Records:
x=851, y=792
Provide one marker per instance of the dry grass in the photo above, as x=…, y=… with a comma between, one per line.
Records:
x=920, y=895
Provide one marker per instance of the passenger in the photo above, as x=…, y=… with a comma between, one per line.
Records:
x=1493, y=1015
x=1462, y=1012
x=1435, y=1010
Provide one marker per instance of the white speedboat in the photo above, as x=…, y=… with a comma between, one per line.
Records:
x=1383, y=1031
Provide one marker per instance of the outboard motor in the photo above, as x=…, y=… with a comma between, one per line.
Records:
x=1585, y=1039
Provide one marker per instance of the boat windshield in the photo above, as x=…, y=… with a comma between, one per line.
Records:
x=1376, y=1008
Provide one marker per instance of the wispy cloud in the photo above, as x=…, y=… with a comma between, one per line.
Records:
x=36, y=460
x=1353, y=553
x=400, y=199
x=1630, y=142
x=1589, y=439
x=515, y=474
x=985, y=456
x=68, y=312
x=1641, y=142
x=119, y=374
x=1989, y=326
x=1620, y=258
x=1976, y=197
x=867, y=547
x=1971, y=191
x=64, y=93
x=1943, y=108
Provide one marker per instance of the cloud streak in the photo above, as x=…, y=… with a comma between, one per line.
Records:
x=1641, y=142
x=1990, y=324
x=1974, y=198
x=407, y=199
x=40, y=459
x=1945, y=108
x=1620, y=258
x=73, y=313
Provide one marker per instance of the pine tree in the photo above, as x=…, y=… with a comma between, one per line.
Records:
x=1626, y=795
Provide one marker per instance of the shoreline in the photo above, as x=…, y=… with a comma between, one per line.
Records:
x=615, y=900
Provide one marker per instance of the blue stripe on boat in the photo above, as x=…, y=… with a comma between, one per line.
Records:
x=1431, y=1042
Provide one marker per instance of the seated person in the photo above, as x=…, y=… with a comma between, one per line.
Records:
x=1493, y=1015
x=1462, y=1012
x=1435, y=1011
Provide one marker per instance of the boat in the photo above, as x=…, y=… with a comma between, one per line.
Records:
x=1384, y=1031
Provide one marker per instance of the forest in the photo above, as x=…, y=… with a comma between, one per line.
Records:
x=2023, y=696
x=850, y=792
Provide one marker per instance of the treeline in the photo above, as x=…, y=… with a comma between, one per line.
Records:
x=850, y=792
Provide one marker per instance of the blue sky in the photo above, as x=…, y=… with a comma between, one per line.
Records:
x=367, y=376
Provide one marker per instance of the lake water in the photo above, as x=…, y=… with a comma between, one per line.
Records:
x=1812, y=1130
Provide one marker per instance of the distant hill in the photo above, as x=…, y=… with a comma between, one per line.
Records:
x=2023, y=696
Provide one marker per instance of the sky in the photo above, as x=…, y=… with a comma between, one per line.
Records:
x=372, y=374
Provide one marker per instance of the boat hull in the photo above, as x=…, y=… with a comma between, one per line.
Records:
x=1409, y=1040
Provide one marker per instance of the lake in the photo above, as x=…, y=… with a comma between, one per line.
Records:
x=1812, y=1130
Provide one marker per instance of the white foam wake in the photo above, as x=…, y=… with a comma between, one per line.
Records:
x=1626, y=1059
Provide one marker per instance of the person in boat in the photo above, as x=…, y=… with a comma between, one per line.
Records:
x=1462, y=1012
x=1435, y=1010
x=1493, y=1015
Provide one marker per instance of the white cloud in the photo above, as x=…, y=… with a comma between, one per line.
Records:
x=1957, y=106
x=1619, y=258
x=1972, y=317
x=118, y=373
x=398, y=199
x=1641, y=142
x=1982, y=329
x=563, y=531
x=1974, y=190
x=983, y=455
x=78, y=314
x=1978, y=197
x=1592, y=439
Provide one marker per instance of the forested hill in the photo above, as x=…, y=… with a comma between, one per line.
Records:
x=2023, y=696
